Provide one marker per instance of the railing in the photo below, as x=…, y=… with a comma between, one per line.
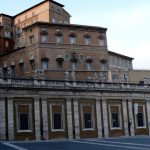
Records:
x=62, y=84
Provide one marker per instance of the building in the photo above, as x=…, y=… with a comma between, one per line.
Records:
x=59, y=80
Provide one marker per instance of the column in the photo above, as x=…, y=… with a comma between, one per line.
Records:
x=105, y=118
x=131, y=117
x=99, y=118
x=148, y=114
x=10, y=119
x=125, y=117
x=2, y=119
x=45, y=118
x=69, y=119
x=37, y=118
x=76, y=119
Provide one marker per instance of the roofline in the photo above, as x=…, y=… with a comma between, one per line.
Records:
x=120, y=55
x=6, y=15
x=67, y=25
x=38, y=5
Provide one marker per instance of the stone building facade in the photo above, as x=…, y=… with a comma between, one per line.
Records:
x=48, y=109
x=59, y=80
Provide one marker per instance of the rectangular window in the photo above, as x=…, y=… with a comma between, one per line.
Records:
x=115, y=120
x=72, y=40
x=87, y=41
x=32, y=64
x=24, y=121
x=13, y=69
x=21, y=68
x=87, y=120
x=103, y=66
x=31, y=39
x=59, y=39
x=57, y=121
x=140, y=119
x=6, y=44
x=101, y=42
x=44, y=64
x=43, y=38
x=89, y=66
x=73, y=66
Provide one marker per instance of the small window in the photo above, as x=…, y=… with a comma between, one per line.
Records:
x=140, y=119
x=115, y=120
x=44, y=64
x=57, y=121
x=13, y=71
x=89, y=66
x=72, y=40
x=6, y=44
x=87, y=120
x=21, y=68
x=24, y=122
x=32, y=64
x=53, y=20
x=66, y=57
x=31, y=39
x=81, y=57
x=73, y=65
x=44, y=38
x=87, y=40
x=59, y=39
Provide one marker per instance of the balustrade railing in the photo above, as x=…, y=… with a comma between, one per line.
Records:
x=38, y=83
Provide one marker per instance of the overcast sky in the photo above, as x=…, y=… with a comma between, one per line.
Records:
x=128, y=22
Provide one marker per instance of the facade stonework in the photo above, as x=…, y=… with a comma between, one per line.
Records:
x=59, y=80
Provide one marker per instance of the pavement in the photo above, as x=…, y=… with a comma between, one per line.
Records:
x=121, y=143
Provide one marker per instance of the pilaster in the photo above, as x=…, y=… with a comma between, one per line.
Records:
x=131, y=117
x=125, y=117
x=45, y=118
x=99, y=118
x=76, y=119
x=37, y=118
x=69, y=118
x=10, y=119
x=2, y=119
x=105, y=118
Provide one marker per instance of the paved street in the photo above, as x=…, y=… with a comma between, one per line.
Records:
x=133, y=143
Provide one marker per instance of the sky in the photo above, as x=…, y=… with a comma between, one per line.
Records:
x=127, y=21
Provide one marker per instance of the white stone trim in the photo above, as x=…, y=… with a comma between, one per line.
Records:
x=37, y=118
x=2, y=119
x=62, y=117
x=144, y=118
x=99, y=118
x=76, y=119
x=131, y=117
x=119, y=117
x=10, y=119
x=45, y=118
x=105, y=118
x=125, y=117
x=69, y=118
x=92, y=117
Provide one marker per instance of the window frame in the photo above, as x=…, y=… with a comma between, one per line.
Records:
x=119, y=117
x=18, y=120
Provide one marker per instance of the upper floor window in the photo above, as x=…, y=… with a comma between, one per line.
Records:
x=101, y=40
x=44, y=63
x=72, y=38
x=87, y=39
x=53, y=20
x=44, y=36
x=103, y=64
x=59, y=37
x=53, y=9
x=6, y=44
x=31, y=38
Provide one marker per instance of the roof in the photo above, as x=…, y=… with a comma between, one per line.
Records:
x=40, y=4
x=114, y=53
x=74, y=26
x=6, y=15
